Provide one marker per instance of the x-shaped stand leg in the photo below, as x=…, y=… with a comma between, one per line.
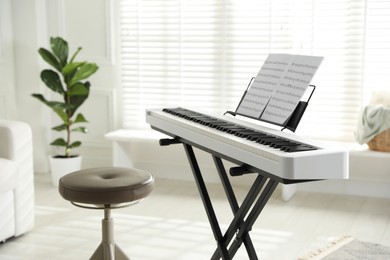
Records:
x=251, y=207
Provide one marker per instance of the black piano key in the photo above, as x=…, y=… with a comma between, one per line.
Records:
x=256, y=137
x=208, y=122
x=301, y=148
x=244, y=133
x=236, y=130
x=226, y=128
x=265, y=140
x=279, y=144
x=233, y=130
x=291, y=144
x=290, y=147
x=217, y=124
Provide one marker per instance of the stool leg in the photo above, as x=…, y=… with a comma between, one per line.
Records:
x=108, y=250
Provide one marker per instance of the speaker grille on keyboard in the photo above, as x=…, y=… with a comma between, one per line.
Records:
x=263, y=138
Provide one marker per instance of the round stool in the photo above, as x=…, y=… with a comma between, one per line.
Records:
x=106, y=188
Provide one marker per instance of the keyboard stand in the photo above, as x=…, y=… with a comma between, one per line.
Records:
x=245, y=215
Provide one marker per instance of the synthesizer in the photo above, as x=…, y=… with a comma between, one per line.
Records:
x=285, y=155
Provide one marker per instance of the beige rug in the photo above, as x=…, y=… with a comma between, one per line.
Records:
x=348, y=248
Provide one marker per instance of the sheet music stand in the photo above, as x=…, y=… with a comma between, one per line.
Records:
x=296, y=116
x=292, y=122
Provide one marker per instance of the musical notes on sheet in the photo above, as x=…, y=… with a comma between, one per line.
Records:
x=278, y=87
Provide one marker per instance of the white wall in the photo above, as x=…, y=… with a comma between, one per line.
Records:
x=25, y=26
x=7, y=90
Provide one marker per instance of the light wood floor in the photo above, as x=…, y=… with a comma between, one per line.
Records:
x=171, y=224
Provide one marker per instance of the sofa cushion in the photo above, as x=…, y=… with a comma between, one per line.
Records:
x=8, y=175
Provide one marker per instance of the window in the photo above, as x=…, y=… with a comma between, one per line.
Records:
x=202, y=54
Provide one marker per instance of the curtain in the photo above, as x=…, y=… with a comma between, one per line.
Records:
x=202, y=54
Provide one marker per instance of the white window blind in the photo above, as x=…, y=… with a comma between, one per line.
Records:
x=377, y=46
x=202, y=54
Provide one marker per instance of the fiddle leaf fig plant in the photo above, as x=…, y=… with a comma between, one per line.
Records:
x=67, y=78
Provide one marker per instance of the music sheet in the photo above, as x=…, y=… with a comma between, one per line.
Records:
x=278, y=87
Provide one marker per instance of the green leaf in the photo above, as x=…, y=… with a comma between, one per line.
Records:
x=78, y=89
x=58, y=107
x=71, y=68
x=59, y=127
x=60, y=49
x=78, y=100
x=50, y=58
x=55, y=105
x=62, y=114
x=52, y=81
x=80, y=129
x=75, y=144
x=80, y=119
x=58, y=142
x=40, y=97
x=83, y=72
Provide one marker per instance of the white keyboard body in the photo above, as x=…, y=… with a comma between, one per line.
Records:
x=322, y=163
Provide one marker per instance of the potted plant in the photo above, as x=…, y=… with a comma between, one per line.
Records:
x=66, y=78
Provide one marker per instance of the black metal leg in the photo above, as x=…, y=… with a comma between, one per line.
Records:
x=233, y=202
x=251, y=219
x=254, y=202
x=222, y=248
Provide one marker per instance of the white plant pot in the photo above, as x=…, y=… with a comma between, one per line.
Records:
x=62, y=166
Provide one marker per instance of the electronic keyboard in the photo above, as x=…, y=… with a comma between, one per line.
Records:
x=282, y=154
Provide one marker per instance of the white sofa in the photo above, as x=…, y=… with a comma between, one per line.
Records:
x=16, y=179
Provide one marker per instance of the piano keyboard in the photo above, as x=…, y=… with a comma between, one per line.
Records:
x=257, y=136
x=285, y=155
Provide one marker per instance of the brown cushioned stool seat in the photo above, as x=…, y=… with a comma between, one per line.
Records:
x=109, y=185
x=106, y=188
